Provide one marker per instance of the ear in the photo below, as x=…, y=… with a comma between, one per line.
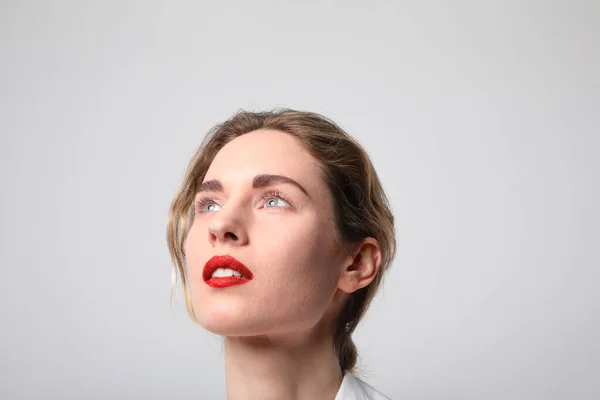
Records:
x=362, y=266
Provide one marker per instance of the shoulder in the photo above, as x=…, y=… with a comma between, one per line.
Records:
x=353, y=388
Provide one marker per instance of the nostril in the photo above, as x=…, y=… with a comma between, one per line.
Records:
x=232, y=235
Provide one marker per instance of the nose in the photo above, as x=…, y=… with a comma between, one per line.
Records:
x=227, y=227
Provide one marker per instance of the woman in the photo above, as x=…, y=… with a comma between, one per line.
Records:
x=281, y=233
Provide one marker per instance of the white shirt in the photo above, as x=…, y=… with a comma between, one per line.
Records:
x=355, y=389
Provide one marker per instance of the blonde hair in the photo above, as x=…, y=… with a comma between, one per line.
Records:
x=361, y=206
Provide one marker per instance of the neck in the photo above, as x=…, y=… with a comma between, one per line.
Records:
x=296, y=367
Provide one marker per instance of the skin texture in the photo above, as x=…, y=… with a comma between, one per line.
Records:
x=277, y=327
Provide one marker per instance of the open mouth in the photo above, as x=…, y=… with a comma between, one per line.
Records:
x=225, y=270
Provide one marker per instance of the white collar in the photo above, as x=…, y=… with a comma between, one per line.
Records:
x=353, y=388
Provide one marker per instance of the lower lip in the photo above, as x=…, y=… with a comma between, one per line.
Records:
x=226, y=281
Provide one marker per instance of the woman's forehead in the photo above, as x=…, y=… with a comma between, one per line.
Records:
x=263, y=152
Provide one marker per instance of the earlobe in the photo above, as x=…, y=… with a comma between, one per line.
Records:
x=364, y=266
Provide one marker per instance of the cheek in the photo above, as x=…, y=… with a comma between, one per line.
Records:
x=298, y=258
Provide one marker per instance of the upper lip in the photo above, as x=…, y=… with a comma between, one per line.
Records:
x=225, y=261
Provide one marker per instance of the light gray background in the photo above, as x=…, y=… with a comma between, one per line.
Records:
x=481, y=118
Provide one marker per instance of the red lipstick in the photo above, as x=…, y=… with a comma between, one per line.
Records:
x=229, y=262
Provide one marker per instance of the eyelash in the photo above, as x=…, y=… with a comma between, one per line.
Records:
x=208, y=200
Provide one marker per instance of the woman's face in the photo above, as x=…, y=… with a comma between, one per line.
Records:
x=284, y=236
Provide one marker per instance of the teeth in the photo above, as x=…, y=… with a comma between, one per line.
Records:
x=224, y=272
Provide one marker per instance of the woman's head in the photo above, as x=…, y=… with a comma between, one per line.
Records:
x=296, y=200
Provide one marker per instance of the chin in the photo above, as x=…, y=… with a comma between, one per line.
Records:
x=230, y=330
x=223, y=322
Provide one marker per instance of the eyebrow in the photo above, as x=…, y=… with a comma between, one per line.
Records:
x=259, y=181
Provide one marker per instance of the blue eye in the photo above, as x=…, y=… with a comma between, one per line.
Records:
x=272, y=202
x=211, y=205
x=204, y=205
x=276, y=199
